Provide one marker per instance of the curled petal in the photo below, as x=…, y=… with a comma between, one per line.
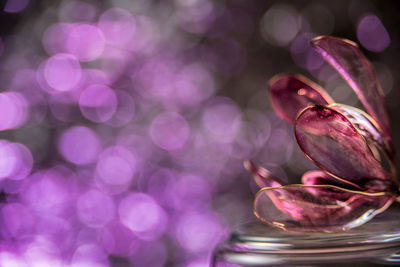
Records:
x=332, y=142
x=368, y=128
x=289, y=94
x=295, y=208
x=348, y=60
x=315, y=177
x=262, y=176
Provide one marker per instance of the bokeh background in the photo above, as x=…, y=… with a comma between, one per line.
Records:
x=124, y=123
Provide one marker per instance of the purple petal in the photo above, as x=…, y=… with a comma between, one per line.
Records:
x=331, y=141
x=262, y=176
x=294, y=208
x=289, y=94
x=316, y=177
x=348, y=60
x=367, y=127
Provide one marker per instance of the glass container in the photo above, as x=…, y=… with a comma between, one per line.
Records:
x=376, y=243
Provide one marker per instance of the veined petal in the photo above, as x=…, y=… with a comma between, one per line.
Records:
x=349, y=61
x=289, y=94
x=316, y=177
x=295, y=208
x=372, y=133
x=332, y=142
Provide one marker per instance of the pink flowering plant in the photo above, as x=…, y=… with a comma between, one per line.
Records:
x=353, y=149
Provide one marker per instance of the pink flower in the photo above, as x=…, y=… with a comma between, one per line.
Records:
x=354, y=149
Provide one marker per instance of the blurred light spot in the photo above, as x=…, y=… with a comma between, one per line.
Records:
x=141, y=214
x=232, y=208
x=303, y=54
x=195, y=16
x=55, y=38
x=223, y=22
x=41, y=79
x=56, y=230
x=142, y=145
x=372, y=34
x=115, y=169
x=47, y=194
x=14, y=6
x=279, y=146
x=98, y=103
x=204, y=150
x=42, y=253
x=62, y=72
x=158, y=183
x=24, y=79
x=253, y=134
x=13, y=186
x=189, y=192
x=169, y=130
x=301, y=91
x=86, y=42
x=11, y=260
x=79, y=145
x=146, y=36
x=15, y=160
x=222, y=118
x=13, y=110
x=279, y=25
x=125, y=110
x=18, y=220
x=87, y=235
x=197, y=232
x=385, y=76
x=116, y=239
x=95, y=209
x=117, y=25
x=193, y=85
x=23, y=161
x=156, y=78
x=25, y=82
x=89, y=255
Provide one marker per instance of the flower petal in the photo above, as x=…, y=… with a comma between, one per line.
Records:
x=372, y=133
x=348, y=60
x=316, y=177
x=332, y=142
x=294, y=208
x=262, y=176
x=289, y=94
